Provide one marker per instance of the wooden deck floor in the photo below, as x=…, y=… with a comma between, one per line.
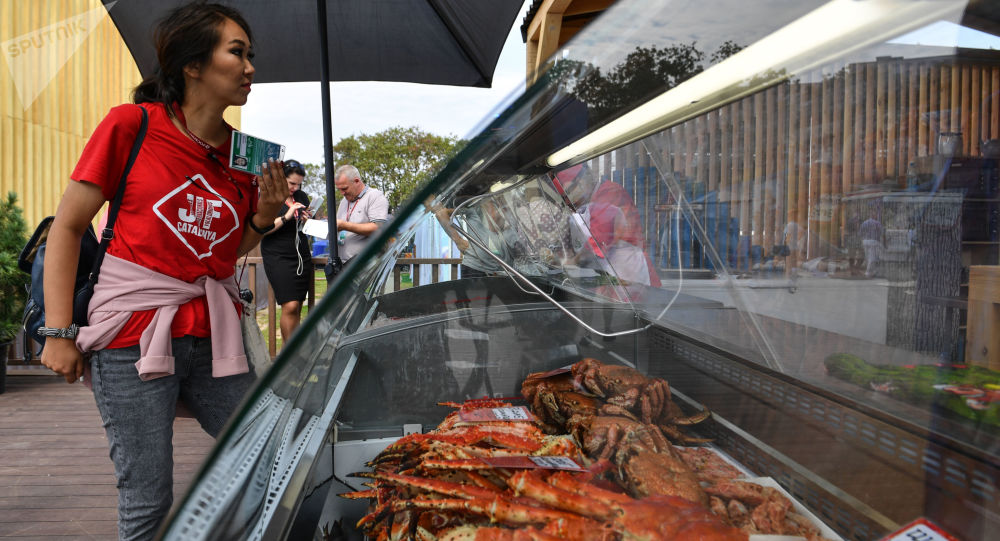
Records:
x=56, y=479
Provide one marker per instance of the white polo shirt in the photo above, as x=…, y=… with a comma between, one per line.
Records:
x=370, y=206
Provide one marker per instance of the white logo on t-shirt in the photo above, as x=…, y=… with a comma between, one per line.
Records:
x=196, y=212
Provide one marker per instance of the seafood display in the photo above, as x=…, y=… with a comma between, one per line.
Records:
x=592, y=457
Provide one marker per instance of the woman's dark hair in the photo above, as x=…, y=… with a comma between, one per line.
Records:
x=187, y=34
x=292, y=166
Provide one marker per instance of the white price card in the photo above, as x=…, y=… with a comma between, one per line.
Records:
x=483, y=415
x=511, y=414
x=555, y=462
x=920, y=530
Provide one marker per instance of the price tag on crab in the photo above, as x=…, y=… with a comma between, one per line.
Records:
x=534, y=462
x=920, y=530
x=556, y=463
x=485, y=415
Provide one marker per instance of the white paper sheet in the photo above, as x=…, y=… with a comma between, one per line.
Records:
x=316, y=228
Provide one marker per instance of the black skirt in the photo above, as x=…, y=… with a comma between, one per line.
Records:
x=281, y=264
x=281, y=270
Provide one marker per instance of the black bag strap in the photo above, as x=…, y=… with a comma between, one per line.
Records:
x=108, y=232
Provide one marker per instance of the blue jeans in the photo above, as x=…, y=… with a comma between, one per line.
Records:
x=138, y=418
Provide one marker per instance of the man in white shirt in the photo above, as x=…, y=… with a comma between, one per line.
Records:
x=360, y=213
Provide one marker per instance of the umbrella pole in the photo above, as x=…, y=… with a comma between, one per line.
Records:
x=334, y=264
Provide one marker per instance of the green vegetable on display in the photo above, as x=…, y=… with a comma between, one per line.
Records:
x=972, y=392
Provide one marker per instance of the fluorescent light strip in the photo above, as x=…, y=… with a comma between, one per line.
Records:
x=832, y=30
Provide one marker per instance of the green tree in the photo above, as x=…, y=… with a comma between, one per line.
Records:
x=645, y=73
x=315, y=184
x=396, y=160
x=13, y=235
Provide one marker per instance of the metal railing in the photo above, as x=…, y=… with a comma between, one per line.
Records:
x=254, y=265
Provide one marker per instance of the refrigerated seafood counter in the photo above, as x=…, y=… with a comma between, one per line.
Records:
x=718, y=281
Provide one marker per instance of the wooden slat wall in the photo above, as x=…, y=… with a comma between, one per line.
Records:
x=791, y=152
x=40, y=142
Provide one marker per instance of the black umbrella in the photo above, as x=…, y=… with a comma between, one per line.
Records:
x=449, y=42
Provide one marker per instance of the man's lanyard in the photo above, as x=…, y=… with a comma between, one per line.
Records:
x=351, y=207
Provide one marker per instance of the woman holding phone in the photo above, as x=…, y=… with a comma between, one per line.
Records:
x=286, y=253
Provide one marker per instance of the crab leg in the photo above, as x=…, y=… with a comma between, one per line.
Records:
x=440, y=487
x=529, y=484
x=497, y=509
x=480, y=533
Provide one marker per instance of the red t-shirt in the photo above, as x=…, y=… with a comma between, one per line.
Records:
x=182, y=213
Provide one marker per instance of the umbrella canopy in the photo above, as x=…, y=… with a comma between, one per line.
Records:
x=448, y=42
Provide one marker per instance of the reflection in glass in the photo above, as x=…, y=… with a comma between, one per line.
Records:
x=795, y=204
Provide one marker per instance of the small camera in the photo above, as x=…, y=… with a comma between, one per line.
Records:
x=246, y=295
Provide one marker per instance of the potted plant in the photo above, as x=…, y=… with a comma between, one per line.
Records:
x=13, y=235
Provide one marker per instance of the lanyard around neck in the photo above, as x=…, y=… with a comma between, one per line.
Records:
x=351, y=207
x=212, y=151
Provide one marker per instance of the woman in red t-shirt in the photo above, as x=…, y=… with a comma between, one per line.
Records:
x=184, y=220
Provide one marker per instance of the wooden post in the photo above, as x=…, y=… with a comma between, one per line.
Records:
x=735, y=138
x=955, y=100
x=713, y=154
x=982, y=339
x=825, y=140
x=780, y=166
x=770, y=180
x=966, y=99
x=975, y=108
x=923, y=108
x=871, y=88
x=802, y=191
x=757, y=157
x=815, y=167
x=860, y=150
x=792, y=173
x=881, y=76
x=836, y=159
x=912, y=110
x=892, y=167
x=847, y=123
x=994, y=116
x=253, y=280
x=690, y=138
x=941, y=106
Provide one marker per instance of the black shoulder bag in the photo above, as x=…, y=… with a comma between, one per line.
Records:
x=32, y=259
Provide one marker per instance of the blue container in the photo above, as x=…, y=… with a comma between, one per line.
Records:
x=319, y=247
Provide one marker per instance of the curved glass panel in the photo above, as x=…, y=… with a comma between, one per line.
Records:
x=790, y=210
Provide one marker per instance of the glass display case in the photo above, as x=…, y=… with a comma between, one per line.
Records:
x=789, y=211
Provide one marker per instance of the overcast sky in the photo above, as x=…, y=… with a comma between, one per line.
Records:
x=291, y=114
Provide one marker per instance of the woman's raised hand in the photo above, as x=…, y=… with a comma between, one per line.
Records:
x=273, y=188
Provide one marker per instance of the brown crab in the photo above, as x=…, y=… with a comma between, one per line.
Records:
x=623, y=386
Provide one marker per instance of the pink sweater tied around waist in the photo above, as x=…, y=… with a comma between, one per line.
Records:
x=125, y=287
